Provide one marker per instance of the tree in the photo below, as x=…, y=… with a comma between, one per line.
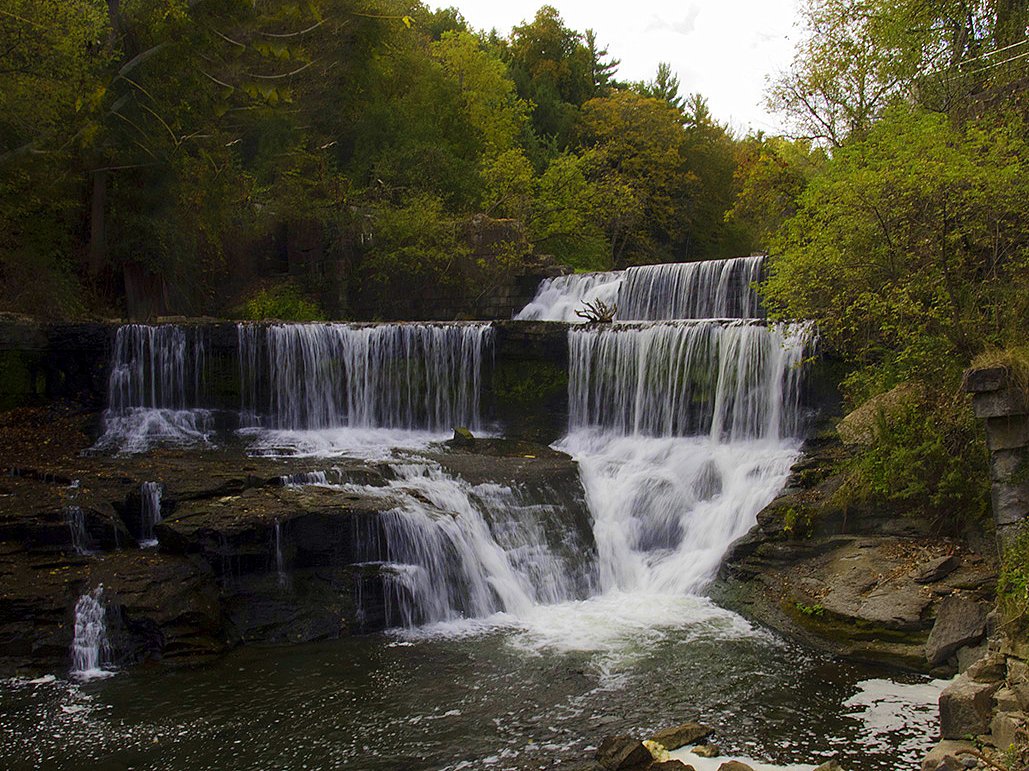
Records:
x=641, y=145
x=557, y=69
x=664, y=86
x=770, y=177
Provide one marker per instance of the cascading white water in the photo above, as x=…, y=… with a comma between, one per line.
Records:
x=683, y=431
x=91, y=654
x=712, y=289
x=150, y=513
x=155, y=389
x=557, y=299
x=731, y=381
x=280, y=558
x=451, y=550
x=80, y=540
x=395, y=376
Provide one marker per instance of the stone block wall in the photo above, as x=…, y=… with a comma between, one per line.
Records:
x=1003, y=405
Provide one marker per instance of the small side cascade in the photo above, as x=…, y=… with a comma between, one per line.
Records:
x=326, y=376
x=91, y=653
x=155, y=392
x=81, y=543
x=150, y=513
x=280, y=558
x=557, y=299
x=711, y=289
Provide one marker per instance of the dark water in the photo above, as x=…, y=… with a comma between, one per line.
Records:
x=496, y=699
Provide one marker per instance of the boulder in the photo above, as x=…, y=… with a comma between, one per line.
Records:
x=1005, y=700
x=671, y=765
x=679, y=736
x=706, y=751
x=944, y=757
x=832, y=765
x=618, y=753
x=1007, y=728
x=990, y=668
x=966, y=708
x=959, y=621
x=862, y=426
x=1018, y=681
x=735, y=765
x=937, y=568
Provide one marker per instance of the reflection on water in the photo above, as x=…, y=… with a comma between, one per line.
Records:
x=499, y=699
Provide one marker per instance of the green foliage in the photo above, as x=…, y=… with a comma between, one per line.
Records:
x=1013, y=582
x=907, y=246
x=816, y=610
x=281, y=302
x=929, y=460
x=523, y=387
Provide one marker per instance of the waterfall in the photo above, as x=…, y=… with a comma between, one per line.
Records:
x=712, y=289
x=150, y=513
x=557, y=299
x=91, y=655
x=280, y=558
x=683, y=430
x=398, y=376
x=155, y=389
x=80, y=540
x=730, y=381
x=451, y=550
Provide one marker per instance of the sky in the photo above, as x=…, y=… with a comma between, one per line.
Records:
x=723, y=49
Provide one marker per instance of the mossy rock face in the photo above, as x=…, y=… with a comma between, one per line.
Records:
x=530, y=398
x=525, y=383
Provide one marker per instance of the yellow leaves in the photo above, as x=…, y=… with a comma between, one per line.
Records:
x=408, y=21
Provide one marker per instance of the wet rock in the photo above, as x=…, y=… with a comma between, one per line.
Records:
x=966, y=708
x=463, y=437
x=832, y=765
x=679, y=736
x=735, y=765
x=959, y=621
x=620, y=753
x=671, y=765
x=706, y=751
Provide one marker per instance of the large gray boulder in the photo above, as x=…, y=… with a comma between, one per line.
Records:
x=966, y=708
x=959, y=622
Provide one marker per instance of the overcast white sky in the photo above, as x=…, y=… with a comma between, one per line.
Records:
x=725, y=49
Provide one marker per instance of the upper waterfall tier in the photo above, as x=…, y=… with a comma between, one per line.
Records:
x=408, y=376
x=681, y=290
x=731, y=381
x=713, y=289
x=557, y=299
